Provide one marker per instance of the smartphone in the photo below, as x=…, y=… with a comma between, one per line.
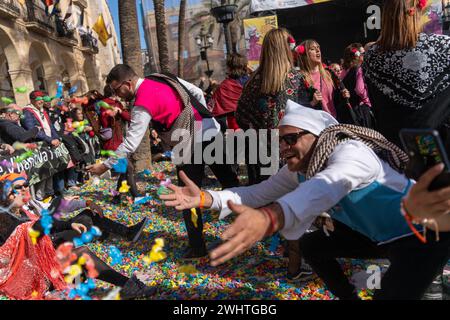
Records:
x=425, y=149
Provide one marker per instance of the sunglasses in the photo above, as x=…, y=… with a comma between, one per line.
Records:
x=23, y=186
x=292, y=138
x=120, y=86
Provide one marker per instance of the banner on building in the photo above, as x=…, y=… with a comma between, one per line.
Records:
x=255, y=29
x=43, y=164
x=263, y=5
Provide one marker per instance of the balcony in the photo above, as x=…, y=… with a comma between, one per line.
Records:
x=66, y=36
x=37, y=20
x=89, y=43
x=9, y=9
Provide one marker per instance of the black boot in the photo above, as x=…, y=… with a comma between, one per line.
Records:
x=195, y=253
x=108, y=226
x=135, y=231
x=136, y=289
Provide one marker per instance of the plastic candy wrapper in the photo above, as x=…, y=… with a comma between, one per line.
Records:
x=73, y=90
x=159, y=175
x=194, y=217
x=104, y=105
x=116, y=255
x=121, y=165
x=166, y=183
x=188, y=269
x=7, y=100
x=143, y=200
x=108, y=153
x=46, y=221
x=87, y=237
x=24, y=156
x=34, y=235
x=21, y=90
x=162, y=190
x=124, y=187
x=82, y=290
x=156, y=254
x=59, y=90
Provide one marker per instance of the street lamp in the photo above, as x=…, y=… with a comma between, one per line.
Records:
x=224, y=14
x=204, y=41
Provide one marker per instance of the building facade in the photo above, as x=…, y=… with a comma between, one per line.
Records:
x=38, y=49
x=194, y=66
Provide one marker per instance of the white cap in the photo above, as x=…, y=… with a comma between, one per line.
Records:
x=308, y=119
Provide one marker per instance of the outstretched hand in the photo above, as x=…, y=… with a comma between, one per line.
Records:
x=182, y=198
x=249, y=227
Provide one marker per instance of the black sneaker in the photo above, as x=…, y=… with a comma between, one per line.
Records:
x=301, y=275
x=434, y=291
x=136, y=289
x=135, y=231
x=195, y=253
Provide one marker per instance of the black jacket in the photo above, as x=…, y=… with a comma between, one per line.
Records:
x=12, y=132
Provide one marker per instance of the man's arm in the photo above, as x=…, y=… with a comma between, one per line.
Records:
x=347, y=169
x=17, y=133
x=140, y=119
x=257, y=195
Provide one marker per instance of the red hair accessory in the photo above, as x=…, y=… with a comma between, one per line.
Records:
x=291, y=42
x=422, y=4
x=411, y=11
x=356, y=52
x=300, y=49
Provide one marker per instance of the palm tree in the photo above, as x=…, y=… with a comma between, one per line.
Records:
x=131, y=52
x=161, y=35
x=181, y=31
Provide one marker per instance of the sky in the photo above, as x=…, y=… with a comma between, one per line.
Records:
x=148, y=5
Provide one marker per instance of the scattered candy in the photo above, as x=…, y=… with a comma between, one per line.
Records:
x=87, y=237
x=7, y=100
x=115, y=255
x=156, y=254
x=162, y=190
x=21, y=89
x=124, y=187
x=108, y=153
x=194, y=217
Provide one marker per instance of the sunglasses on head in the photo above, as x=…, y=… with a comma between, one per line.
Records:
x=23, y=186
x=292, y=138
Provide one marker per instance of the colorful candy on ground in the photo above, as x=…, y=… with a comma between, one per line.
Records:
x=82, y=290
x=194, y=217
x=163, y=190
x=156, y=254
x=124, y=187
x=115, y=255
x=87, y=237
x=143, y=200
x=188, y=269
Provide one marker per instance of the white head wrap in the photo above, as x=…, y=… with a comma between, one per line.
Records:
x=308, y=119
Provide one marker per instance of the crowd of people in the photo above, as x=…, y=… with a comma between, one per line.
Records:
x=341, y=190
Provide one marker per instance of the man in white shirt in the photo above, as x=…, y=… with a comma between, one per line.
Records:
x=335, y=168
